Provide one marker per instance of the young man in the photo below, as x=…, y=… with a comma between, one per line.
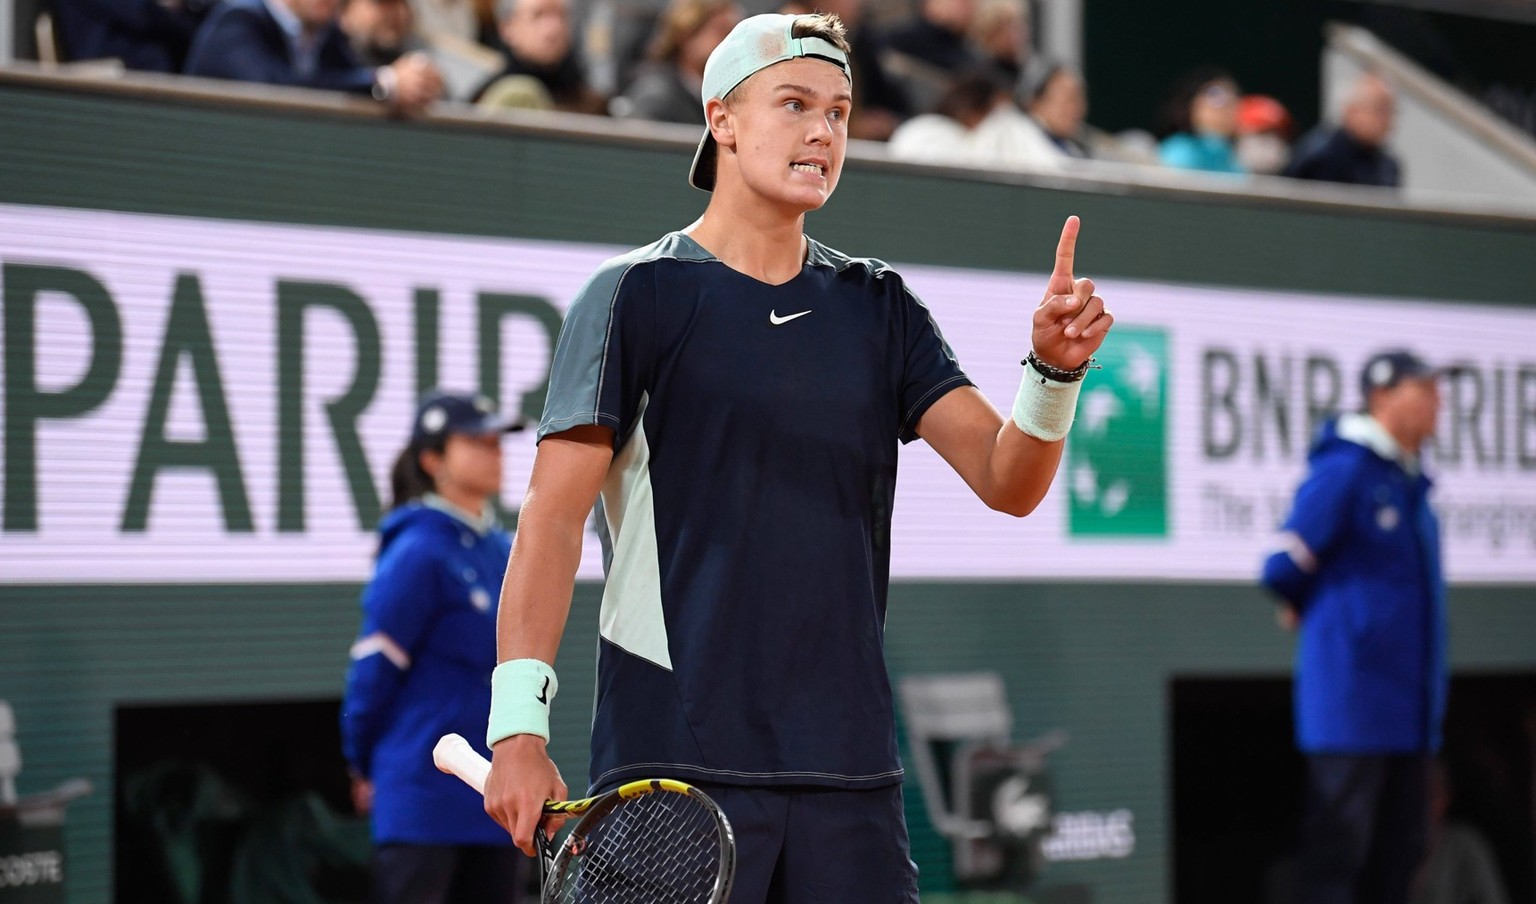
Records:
x=1359, y=573
x=736, y=392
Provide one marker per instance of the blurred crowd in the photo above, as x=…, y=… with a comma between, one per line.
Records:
x=954, y=81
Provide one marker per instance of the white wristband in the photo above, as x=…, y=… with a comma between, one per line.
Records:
x=1044, y=408
x=521, y=692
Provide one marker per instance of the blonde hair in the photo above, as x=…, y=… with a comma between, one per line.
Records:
x=826, y=26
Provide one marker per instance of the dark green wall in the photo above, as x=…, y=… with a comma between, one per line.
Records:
x=1092, y=658
x=190, y=159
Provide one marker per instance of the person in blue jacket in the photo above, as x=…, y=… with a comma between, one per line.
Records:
x=1199, y=124
x=421, y=665
x=1359, y=574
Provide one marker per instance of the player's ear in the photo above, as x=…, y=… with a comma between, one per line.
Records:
x=721, y=124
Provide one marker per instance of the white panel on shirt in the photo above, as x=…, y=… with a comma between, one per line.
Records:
x=631, y=616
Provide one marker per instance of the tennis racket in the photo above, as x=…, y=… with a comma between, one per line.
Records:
x=654, y=841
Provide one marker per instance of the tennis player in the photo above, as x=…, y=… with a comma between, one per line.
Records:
x=735, y=394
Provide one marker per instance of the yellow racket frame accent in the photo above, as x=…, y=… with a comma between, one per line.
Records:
x=626, y=791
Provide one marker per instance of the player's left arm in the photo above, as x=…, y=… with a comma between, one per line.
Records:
x=1007, y=467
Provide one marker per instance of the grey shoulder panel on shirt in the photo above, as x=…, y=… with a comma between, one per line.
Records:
x=822, y=256
x=581, y=354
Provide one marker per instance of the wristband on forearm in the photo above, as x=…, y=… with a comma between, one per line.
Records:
x=521, y=692
x=1047, y=399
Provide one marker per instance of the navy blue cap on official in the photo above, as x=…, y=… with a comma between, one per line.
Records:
x=442, y=413
x=1386, y=369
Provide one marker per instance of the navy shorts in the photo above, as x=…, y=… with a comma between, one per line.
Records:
x=818, y=845
x=448, y=874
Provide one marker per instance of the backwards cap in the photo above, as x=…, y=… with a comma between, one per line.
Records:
x=754, y=44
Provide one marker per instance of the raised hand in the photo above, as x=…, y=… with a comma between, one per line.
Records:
x=1071, y=321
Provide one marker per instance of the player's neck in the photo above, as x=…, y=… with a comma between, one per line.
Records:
x=763, y=244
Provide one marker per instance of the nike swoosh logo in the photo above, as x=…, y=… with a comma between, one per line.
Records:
x=544, y=694
x=776, y=320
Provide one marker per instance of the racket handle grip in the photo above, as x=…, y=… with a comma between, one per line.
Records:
x=454, y=756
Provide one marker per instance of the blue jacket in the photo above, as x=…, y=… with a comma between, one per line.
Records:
x=1331, y=155
x=421, y=667
x=1361, y=564
x=1207, y=153
x=241, y=41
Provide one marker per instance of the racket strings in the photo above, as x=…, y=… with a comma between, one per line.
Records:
x=660, y=848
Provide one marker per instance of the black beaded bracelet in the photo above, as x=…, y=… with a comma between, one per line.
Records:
x=1056, y=373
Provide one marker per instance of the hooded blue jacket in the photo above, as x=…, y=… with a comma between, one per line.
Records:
x=1361, y=564
x=421, y=668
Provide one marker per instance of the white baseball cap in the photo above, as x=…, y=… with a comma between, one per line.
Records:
x=756, y=43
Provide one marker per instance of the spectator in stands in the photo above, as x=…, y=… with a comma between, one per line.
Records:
x=541, y=53
x=462, y=20
x=667, y=88
x=1001, y=31
x=1263, y=134
x=150, y=35
x=300, y=43
x=380, y=30
x=879, y=102
x=1200, y=123
x=929, y=52
x=1354, y=151
x=450, y=33
x=976, y=123
x=1057, y=101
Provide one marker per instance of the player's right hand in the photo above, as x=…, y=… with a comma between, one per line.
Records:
x=522, y=778
x=1071, y=321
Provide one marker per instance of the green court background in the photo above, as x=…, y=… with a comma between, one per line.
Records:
x=1094, y=657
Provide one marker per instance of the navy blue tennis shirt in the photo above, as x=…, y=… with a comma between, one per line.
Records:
x=747, y=510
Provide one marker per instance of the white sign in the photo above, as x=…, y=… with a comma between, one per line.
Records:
x=200, y=400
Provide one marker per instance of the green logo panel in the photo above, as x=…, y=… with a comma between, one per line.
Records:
x=1117, y=458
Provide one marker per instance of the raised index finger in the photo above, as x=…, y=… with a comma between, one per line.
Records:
x=1061, y=277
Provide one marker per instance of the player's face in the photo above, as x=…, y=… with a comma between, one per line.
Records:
x=470, y=467
x=791, y=131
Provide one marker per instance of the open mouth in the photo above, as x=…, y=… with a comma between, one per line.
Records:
x=817, y=169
